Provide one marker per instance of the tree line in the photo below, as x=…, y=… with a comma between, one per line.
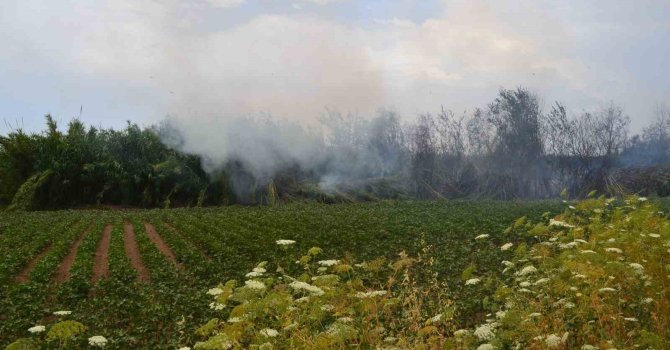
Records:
x=510, y=149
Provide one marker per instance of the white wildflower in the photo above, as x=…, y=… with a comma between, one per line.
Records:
x=298, y=285
x=642, y=199
x=331, y=262
x=484, y=236
x=507, y=263
x=284, y=242
x=254, y=274
x=36, y=329
x=235, y=319
x=588, y=251
x=97, y=340
x=472, y=281
x=527, y=270
x=506, y=246
x=185, y=348
x=216, y=306
x=568, y=245
x=371, y=294
x=524, y=284
x=535, y=314
x=62, y=312
x=390, y=340
x=541, y=281
x=589, y=347
x=552, y=341
x=461, y=332
x=302, y=300
x=435, y=319
x=345, y=319
x=501, y=314
x=253, y=284
x=654, y=235
x=486, y=346
x=558, y=223
x=327, y=307
x=215, y=291
x=614, y=250
x=639, y=269
x=269, y=332
x=647, y=300
x=484, y=332
x=607, y=290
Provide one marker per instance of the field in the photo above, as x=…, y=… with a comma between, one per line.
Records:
x=139, y=277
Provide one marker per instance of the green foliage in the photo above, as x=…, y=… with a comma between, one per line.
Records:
x=597, y=276
x=329, y=307
x=65, y=331
x=218, y=244
x=23, y=344
x=26, y=196
x=83, y=166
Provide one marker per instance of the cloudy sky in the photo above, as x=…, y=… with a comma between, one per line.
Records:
x=205, y=59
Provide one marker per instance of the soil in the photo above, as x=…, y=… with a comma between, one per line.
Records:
x=100, y=262
x=24, y=275
x=161, y=245
x=176, y=232
x=133, y=252
x=63, y=272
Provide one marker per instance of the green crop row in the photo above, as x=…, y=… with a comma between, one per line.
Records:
x=216, y=244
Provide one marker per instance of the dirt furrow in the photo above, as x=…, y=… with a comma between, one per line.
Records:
x=161, y=245
x=101, y=261
x=24, y=275
x=63, y=272
x=176, y=232
x=133, y=252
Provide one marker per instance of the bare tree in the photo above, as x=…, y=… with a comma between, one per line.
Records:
x=423, y=147
x=480, y=134
x=611, y=130
x=451, y=133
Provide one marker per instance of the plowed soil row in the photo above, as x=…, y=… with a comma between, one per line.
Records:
x=133, y=252
x=24, y=275
x=100, y=261
x=101, y=258
x=63, y=272
x=161, y=245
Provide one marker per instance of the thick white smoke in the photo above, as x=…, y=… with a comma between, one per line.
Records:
x=263, y=144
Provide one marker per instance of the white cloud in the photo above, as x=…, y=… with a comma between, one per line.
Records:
x=226, y=3
x=294, y=66
x=322, y=2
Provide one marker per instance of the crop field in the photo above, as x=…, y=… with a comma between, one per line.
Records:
x=140, y=277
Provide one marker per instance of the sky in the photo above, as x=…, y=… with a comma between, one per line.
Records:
x=206, y=60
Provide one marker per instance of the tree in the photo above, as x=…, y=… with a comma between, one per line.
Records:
x=518, y=150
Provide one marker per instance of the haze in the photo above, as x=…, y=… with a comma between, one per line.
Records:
x=203, y=61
